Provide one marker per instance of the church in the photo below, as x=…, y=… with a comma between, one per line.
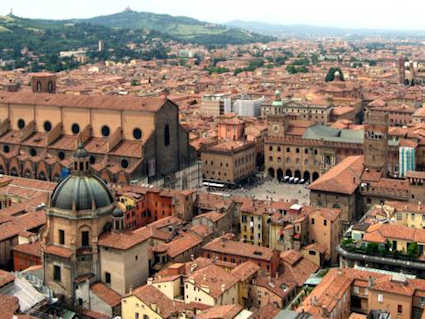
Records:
x=83, y=243
x=128, y=138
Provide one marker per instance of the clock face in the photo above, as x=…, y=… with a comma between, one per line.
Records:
x=276, y=128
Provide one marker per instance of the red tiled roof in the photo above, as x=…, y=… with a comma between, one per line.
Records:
x=125, y=240
x=32, y=249
x=343, y=178
x=6, y=278
x=59, y=251
x=237, y=248
x=222, y=312
x=108, y=102
x=107, y=294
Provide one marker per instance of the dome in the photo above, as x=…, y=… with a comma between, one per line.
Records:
x=83, y=191
x=117, y=212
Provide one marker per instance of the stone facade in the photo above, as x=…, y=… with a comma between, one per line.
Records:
x=127, y=137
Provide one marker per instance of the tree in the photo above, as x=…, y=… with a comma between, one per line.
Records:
x=412, y=250
x=372, y=248
x=331, y=74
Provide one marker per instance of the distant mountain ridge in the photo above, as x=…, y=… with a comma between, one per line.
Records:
x=304, y=30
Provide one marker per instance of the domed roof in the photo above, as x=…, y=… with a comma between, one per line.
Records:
x=117, y=212
x=83, y=191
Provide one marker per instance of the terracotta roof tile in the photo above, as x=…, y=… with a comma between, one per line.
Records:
x=343, y=178
x=105, y=293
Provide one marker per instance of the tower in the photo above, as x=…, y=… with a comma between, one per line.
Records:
x=401, y=70
x=277, y=125
x=43, y=83
x=375, y=144
x=80, y=210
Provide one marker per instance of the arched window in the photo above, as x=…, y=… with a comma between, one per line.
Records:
x=137, y=133
x=50, y=87
x=47, y=126
x=21, y=124
x=124, y=163
x=166, y=135
x=105, y=130
x=75, y=128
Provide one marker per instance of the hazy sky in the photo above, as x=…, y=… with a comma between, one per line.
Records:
x=394, y=14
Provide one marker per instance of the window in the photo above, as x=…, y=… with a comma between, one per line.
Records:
x=85, y=239
x=145, y=317
x=312, y=221
x=136, y=315
x=38, y=86
x=380, y=298
x=47, y=126
x=61, y=237
x=75, y=128
x=399, y=308
x=124, y=163
x=137, y=133
x=107, y=277
x=6, y=149
x=56, y=273
x=325, y=222
x=33, y=152
x=92, y=159
x=50, y=86
x=21, y=124
x=105, y=131
x=166, y=135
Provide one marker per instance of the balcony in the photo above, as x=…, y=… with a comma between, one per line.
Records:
x=85, y=250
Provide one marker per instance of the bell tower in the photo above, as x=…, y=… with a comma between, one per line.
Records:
x=43, y=83
x=375, y=144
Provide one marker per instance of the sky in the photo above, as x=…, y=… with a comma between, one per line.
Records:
x=383, y=14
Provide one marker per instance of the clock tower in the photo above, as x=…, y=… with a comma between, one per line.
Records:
x=277, y=125
x=375, y=144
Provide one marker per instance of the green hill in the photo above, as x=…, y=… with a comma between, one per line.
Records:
x=46, y=38
x=183, y=28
